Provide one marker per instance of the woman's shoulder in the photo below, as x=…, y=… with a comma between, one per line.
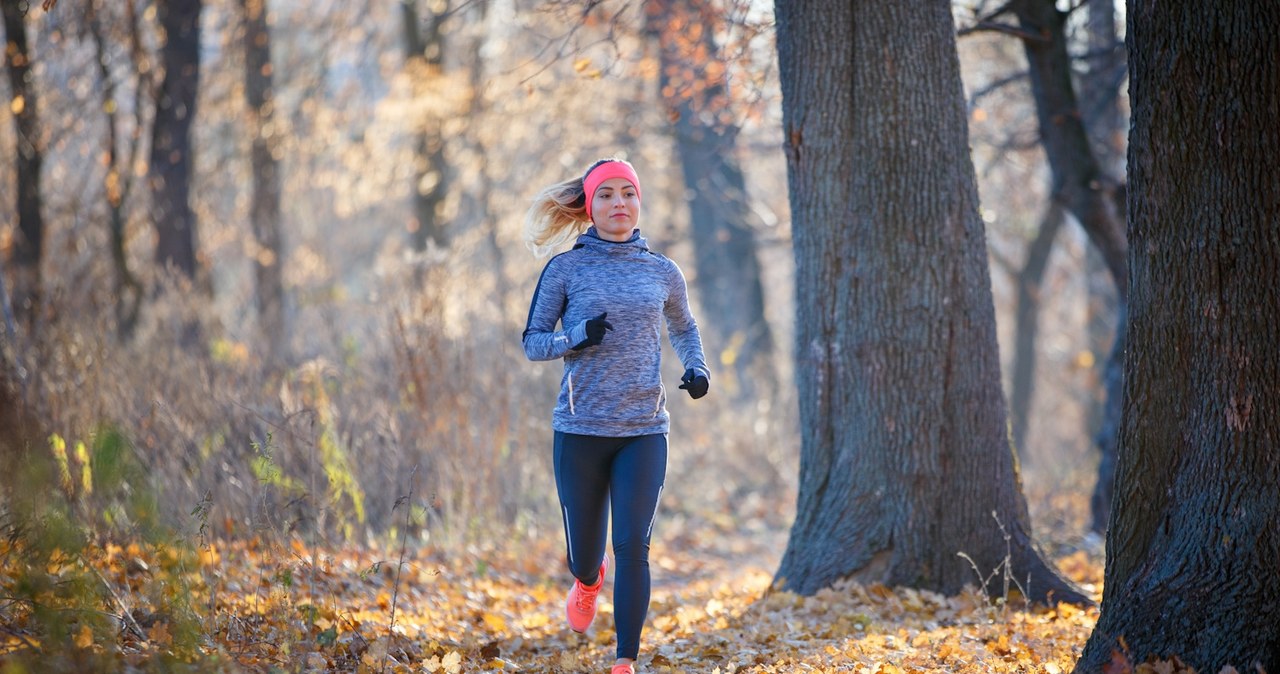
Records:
x=563, y=259
x=667, y=264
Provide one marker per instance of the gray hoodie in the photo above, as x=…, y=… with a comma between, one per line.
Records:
x=615, y=388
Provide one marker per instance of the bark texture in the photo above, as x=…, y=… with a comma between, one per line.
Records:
x=29, y=243
x=1194, y=537
x=170, y=168
x=905, y=457
x=727, y=274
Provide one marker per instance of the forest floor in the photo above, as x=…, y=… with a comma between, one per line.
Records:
x=258, y=607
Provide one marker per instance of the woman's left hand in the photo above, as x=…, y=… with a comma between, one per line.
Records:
x=696, y=384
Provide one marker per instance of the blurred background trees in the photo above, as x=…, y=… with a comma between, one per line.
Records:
x=334, y=194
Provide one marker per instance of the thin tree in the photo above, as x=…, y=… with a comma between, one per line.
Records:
x=1194, y=537
x=1100, y=85
x=117, y=179
x=1084, y=188
x=424, y=45
x=1026, y=318
x=264, y=205
x=905, y=459
x=694, y=87
x=29, y=243
x=170, y=169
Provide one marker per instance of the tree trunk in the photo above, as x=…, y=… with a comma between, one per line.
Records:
x=905, y=458
x=29, y=243
x=170, y=169
x=117, y=180
x=424, y=55
x=1099, y=96
x=1194, y=538
x=1026, y=325
x=264, y=209
x=1100, y=88
x=1079, y=182
x=727, y=270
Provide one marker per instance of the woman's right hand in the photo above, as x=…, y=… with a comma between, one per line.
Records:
x=596, y=327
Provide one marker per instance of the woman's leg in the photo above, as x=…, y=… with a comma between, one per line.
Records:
x=582, y=481
x=639, y=471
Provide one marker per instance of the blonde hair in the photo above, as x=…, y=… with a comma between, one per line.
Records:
x=559, y=213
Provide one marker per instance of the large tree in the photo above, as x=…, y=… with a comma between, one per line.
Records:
x=905, y=458
x=29, y=241
x=1194, y=537
x=694, y=87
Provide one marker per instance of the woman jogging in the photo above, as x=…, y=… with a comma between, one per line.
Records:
x=610, y=295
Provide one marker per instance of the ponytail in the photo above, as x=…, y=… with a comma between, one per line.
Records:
x=558, y=215
x=560, y=212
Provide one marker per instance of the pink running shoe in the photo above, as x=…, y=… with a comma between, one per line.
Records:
x=625, y=668
x=581, y=607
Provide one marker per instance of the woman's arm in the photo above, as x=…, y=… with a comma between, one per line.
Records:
x=681, y=326
x=541, y=339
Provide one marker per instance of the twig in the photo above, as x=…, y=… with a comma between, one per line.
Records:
x=996, y=85
x=985, y=20
x=404, y=539
x=1007, y=29
x=126, y=618
x=30, y=644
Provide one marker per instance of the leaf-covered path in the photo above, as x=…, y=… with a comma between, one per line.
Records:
x=263, y=608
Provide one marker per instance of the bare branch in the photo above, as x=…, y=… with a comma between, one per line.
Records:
x=997, y=27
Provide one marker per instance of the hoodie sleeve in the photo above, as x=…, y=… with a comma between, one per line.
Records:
x=541, y=339
x=683, y=329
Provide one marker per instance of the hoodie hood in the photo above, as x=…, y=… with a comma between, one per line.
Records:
x=591, y=239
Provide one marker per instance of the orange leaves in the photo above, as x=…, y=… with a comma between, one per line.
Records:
x=319, y=610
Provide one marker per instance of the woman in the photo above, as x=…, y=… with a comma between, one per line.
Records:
x=609, y=294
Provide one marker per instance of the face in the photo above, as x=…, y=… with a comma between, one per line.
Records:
x=615, y=209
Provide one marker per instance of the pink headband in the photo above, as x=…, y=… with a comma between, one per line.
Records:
x=610, y=169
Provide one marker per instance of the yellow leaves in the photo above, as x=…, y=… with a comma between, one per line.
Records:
x=451, y=663
x=533, y=621
x=84, y=638
x=454, y=614
x=582, y=66
x=59, y=448
x=17, y=105
x=495, y=622
x=209, y=556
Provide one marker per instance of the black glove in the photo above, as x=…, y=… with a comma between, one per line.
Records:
x=596, y=328
x=696, y=384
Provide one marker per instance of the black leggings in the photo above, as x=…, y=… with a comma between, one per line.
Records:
x=593, y=473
